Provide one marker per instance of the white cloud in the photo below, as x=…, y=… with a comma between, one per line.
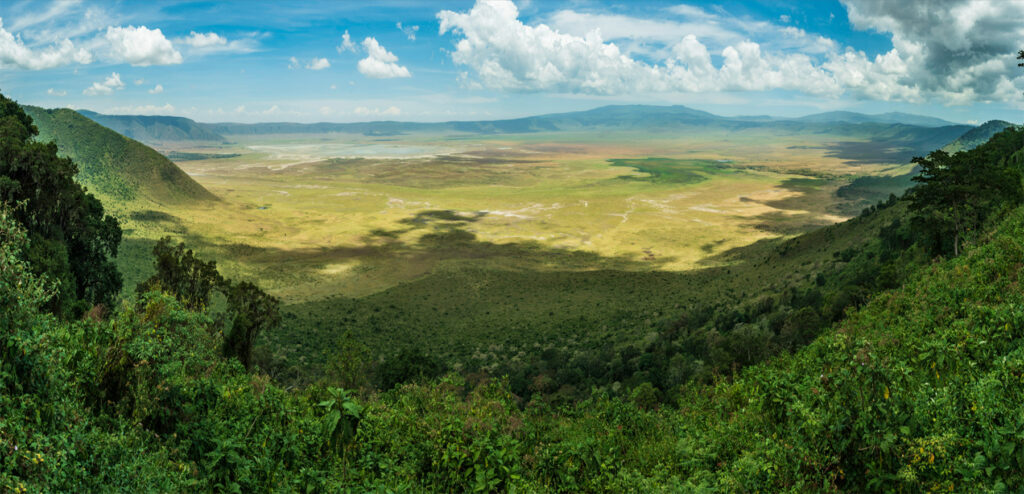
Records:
x=139, y=82
x=159, y=88
x=293, y=63
x=318, y=64
x=108, y=86
x=346, y=43
x=958, y=51
x=13, y=52
x=691, y=11
x=53, y=92
x=205, y=40
x=622, y=27
x=410, y=31
x=386, y=112
x=207, y=43
x=784, y=18
x=141, y=46
x=380, y=63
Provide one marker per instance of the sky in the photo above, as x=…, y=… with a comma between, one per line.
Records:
x=412, y=60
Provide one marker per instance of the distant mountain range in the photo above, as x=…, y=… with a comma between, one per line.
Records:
x=154, y=129
x=157, y=129
x=882, y=118
x=112, y=164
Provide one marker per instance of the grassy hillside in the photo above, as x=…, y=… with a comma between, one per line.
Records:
x=113, y=165
x=154, y=129
x=977, y=136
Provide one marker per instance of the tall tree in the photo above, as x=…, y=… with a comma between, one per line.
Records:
x=191, y=280
x=957, y=193
x=72, y=240
x=252, y=311
x=180, y=273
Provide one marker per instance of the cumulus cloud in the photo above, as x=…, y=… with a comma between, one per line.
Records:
x=960, y=50
x=53, y=92
x=159, y=88
x=205, y=40
x=14, y=52
x=141, y=46
x=710, y=51
x=318, y=64
x=346, y=43
x=293, y=63
x=506, y=54
x=380, y=63
x=108, y=86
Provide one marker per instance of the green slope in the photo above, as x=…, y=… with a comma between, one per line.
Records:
x=977, y=136
x=113, y=165
x=154, y=129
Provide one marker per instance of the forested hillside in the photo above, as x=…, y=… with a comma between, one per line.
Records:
x=894, y=367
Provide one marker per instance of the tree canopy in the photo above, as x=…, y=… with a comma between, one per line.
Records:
x=72, y=239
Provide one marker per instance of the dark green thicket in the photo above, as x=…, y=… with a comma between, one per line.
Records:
x=958, y=193
x=72, y=239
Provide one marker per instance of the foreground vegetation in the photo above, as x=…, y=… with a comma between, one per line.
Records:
x=898, y=368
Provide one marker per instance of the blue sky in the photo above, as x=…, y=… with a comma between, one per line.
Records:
x=469, y=60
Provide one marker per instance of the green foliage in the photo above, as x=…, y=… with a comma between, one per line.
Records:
x=251, y=312
x=72, y=239
x=958, y=193
x=192, y=281
x=178, y=272
x=410, y=364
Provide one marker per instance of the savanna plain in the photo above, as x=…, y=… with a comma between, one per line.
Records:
x=467, y=244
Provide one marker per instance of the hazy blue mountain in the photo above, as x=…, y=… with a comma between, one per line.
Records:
x=154, y=129
x=623, y=117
